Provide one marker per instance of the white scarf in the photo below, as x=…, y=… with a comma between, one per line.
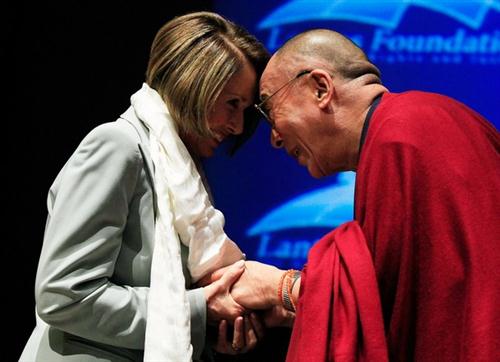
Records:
x=183, y=210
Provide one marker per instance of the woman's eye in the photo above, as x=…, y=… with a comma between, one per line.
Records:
x=233, y=103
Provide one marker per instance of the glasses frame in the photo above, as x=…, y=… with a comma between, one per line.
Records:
x=259, y=106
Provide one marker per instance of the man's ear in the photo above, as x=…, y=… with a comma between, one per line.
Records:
x=323, y=87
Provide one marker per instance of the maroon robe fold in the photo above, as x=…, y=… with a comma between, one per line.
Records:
x=339, y=314
x=428, y=202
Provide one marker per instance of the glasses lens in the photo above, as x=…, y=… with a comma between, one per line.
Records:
x=260, y=106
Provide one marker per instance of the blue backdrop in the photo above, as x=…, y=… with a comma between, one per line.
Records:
x=274, y=210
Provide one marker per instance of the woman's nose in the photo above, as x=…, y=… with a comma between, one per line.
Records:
x=276, y=139
x=237, y=124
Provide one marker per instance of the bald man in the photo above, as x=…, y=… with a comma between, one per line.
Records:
x=415, y=276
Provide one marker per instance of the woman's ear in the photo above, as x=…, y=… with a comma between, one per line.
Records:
x=323, y=87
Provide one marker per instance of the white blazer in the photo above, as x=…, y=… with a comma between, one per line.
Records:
x=93, y=275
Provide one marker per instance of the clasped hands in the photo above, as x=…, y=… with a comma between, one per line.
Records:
x=245, y=295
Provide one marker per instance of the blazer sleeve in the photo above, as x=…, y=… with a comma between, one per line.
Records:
x=88, y=209
x=198, y=309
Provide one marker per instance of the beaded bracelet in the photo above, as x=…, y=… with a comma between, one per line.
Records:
x=285, y=288
x=280, y=286
x=295, y=276
x=287, y=298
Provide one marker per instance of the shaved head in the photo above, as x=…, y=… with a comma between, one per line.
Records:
x=316, y=91
x=326, y=48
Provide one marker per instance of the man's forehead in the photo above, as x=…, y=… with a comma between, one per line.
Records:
x=279, y=70
x=270, y=80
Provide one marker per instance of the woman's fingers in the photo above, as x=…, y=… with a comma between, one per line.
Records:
x=212, y=277
x=238, y=335
x=232, y=274
x=246, y=333
x=250, y=334
x=216, y=275
x=222, y=345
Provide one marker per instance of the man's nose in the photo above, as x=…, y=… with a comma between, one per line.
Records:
x=276, y=139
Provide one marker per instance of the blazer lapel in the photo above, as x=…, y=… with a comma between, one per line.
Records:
x=143, y=133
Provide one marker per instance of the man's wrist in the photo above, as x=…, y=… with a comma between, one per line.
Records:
x=273, y=295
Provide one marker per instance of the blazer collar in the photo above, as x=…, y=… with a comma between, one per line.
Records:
x=143, y=132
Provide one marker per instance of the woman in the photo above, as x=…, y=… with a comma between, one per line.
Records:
x=130, y=225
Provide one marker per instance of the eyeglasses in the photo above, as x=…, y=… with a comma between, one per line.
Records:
x=259, y=106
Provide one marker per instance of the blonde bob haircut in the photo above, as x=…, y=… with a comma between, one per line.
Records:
x=192, y=58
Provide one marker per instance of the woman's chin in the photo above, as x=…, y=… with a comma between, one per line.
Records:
x=206, y=151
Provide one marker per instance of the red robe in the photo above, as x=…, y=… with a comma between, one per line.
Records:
x=428, y=202
x=339, y=309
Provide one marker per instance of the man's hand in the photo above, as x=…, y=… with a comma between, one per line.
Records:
x=278, y=316
x=257, y=287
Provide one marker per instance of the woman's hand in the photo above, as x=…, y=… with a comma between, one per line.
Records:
x=220, y=303
x=247, y=332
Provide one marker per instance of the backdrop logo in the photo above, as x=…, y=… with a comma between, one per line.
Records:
x=286, y=233
x=462, y=39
